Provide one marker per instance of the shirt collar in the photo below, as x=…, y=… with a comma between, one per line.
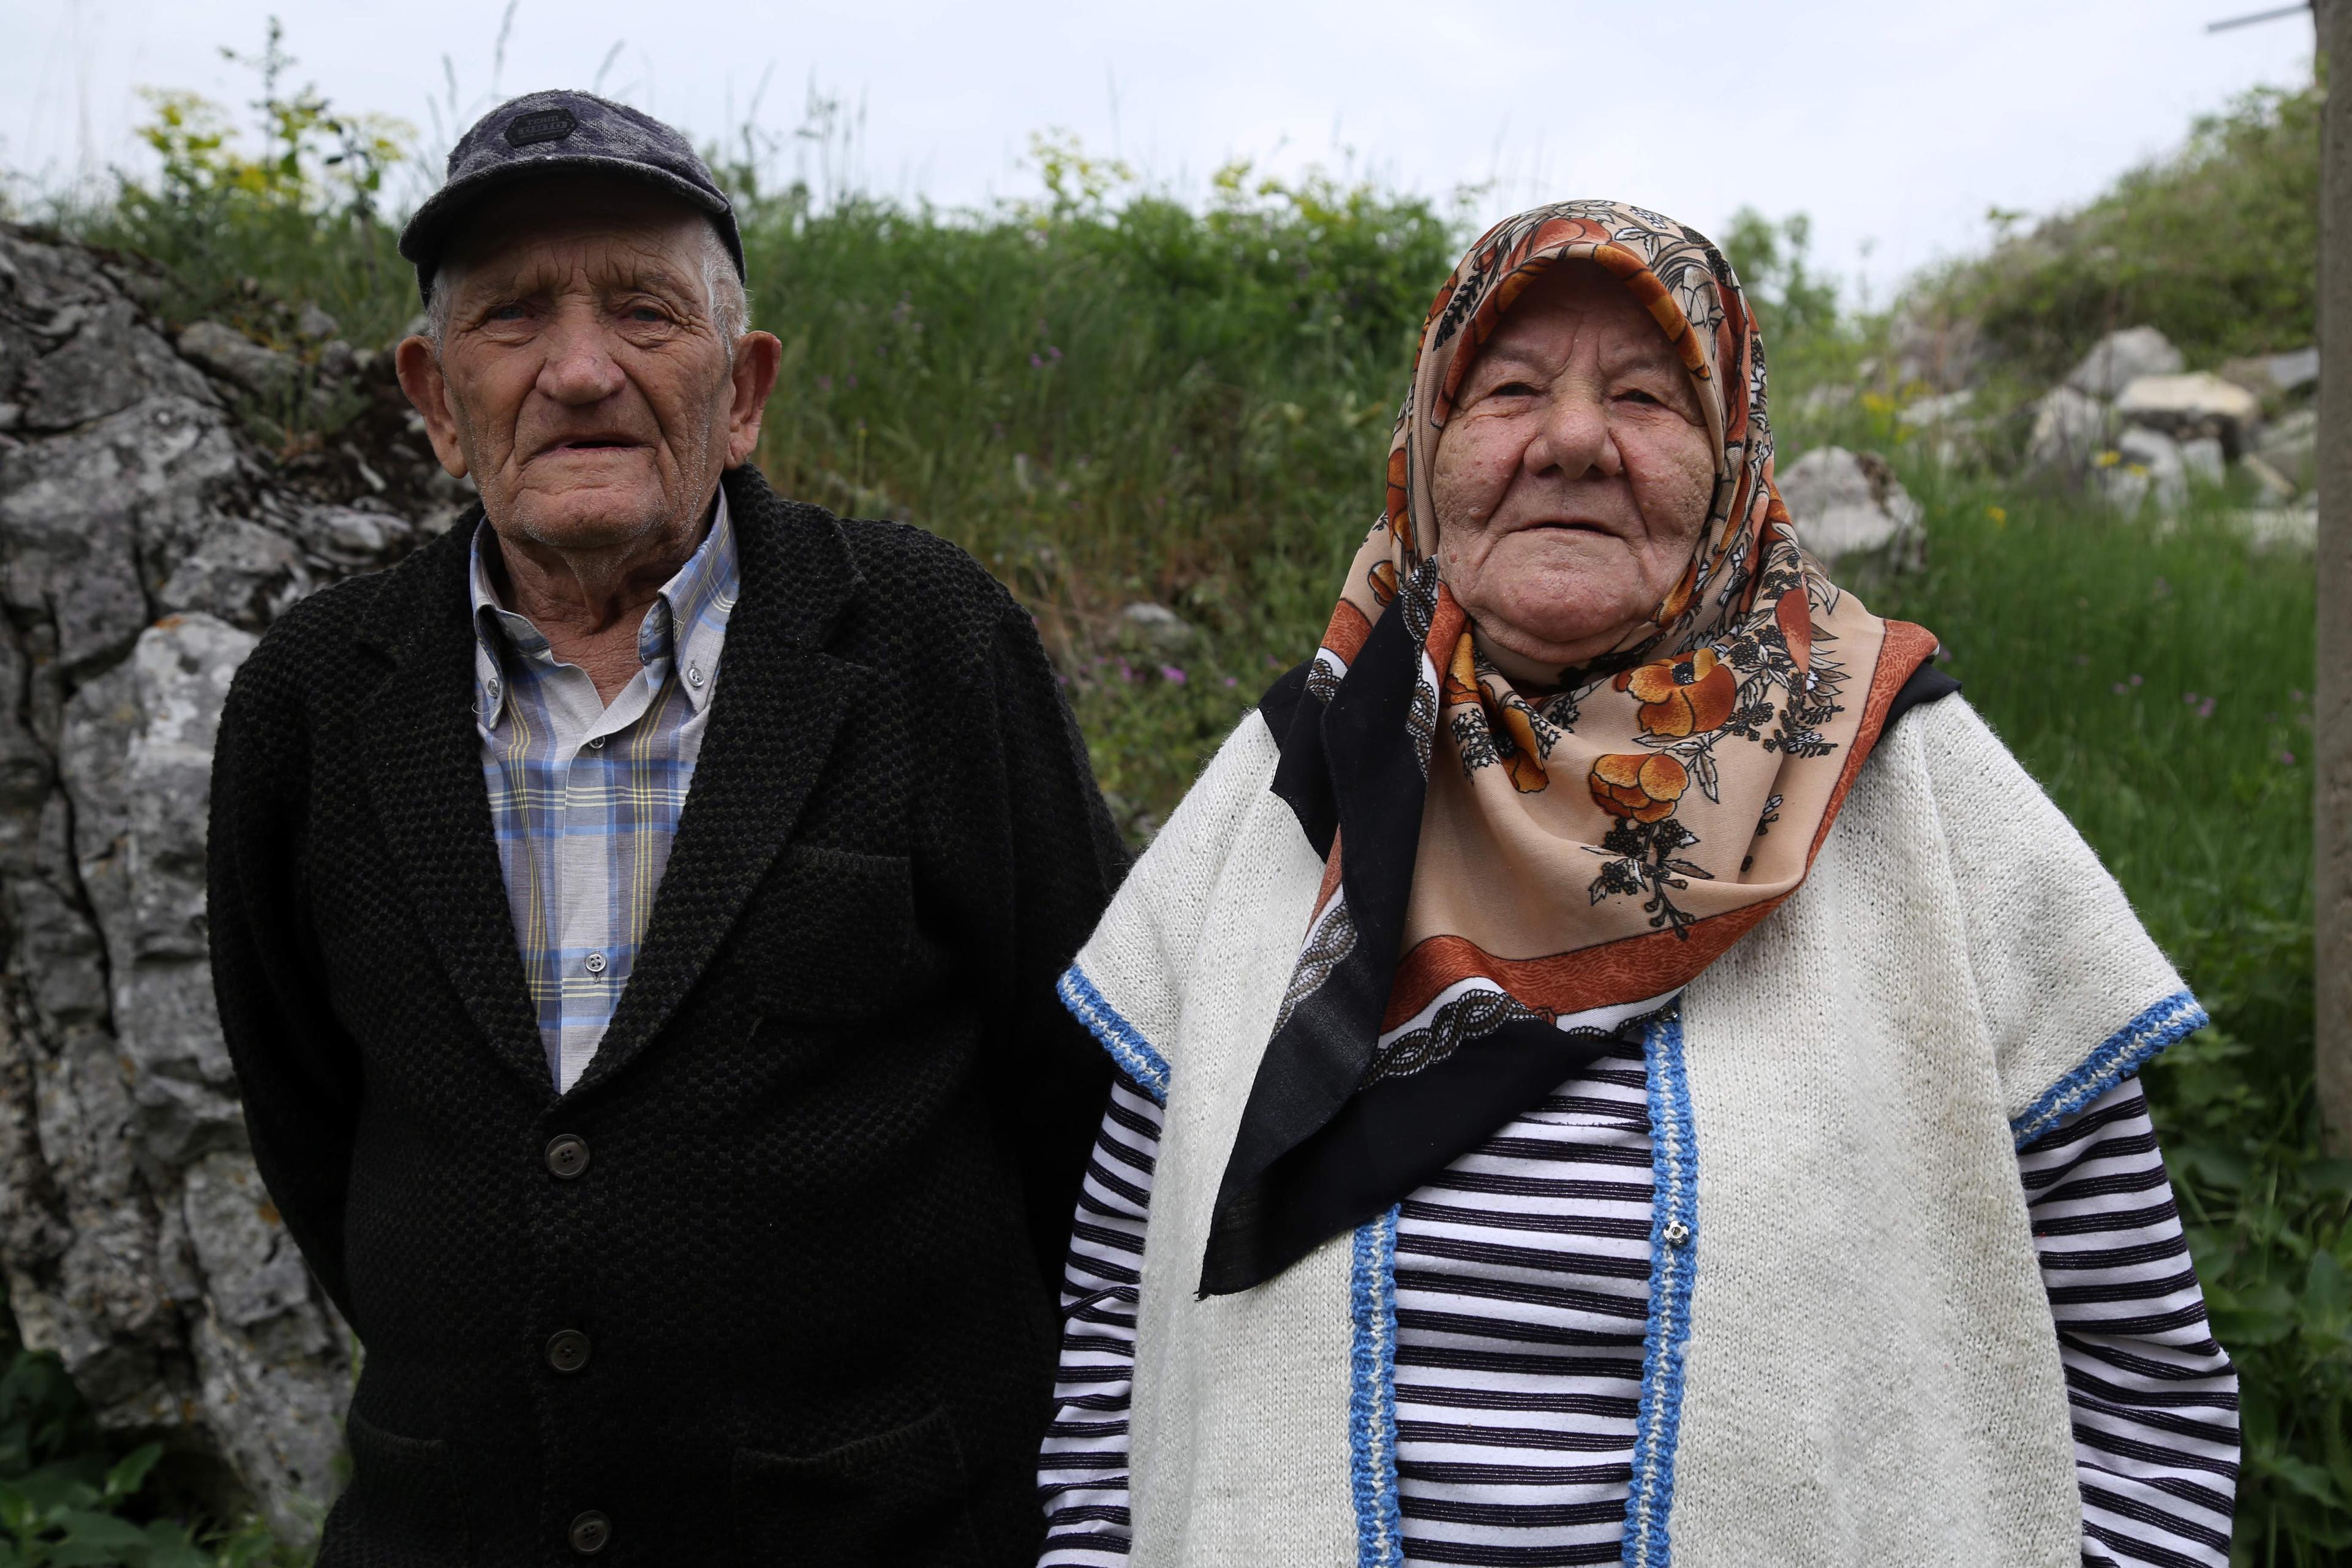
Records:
x=698, y=598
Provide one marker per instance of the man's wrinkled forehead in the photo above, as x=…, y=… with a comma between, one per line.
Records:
x=601, y=238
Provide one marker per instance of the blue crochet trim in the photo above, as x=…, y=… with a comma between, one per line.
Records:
x=1372, y=1399
x=1673, y=1261
x=2121, y=1054
x=1126, y=1043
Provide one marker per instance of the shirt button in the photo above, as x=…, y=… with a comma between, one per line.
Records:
x=567, y=1156
x=591, y=1532
x=1677, y=1234
x=593, y=964
x=493, y=686
x=595, y=743
x=694, y=675
x=568, y=1351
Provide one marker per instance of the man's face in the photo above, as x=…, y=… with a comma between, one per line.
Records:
x=581, y=379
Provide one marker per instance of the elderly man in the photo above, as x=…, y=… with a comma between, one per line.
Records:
x=635, y=919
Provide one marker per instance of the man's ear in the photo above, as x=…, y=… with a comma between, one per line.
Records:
x=428, y=391
x=757, y=357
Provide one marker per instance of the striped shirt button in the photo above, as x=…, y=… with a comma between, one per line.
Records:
x=1677, y=1234
x=593, y=964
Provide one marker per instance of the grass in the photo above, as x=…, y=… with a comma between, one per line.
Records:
x=1109, y=397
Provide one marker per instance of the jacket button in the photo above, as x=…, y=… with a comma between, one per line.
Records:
x=567, y=1156
x=568, y=1351
x=591, y=1532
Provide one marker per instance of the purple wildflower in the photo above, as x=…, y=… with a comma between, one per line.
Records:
x=1173, y=675
x=2135, y=680
x=2287, y=757
x=2205, y=709
x=2121, y=688
x=1233, y=680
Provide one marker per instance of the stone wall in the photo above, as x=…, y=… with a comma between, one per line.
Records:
x=144, y=543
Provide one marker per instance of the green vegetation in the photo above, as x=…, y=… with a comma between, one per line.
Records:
x=1111, y=396
x=2215, y=246
x=65, y=1497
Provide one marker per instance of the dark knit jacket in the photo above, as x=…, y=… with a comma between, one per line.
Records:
x=832, y=1137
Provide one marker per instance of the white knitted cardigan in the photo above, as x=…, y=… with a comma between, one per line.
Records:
x=1848, y=1355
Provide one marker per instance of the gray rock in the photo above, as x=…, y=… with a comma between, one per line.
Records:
x=233, y=357
x=2185, y=407
x=2122, y=357
x=1939, y=354
x=2070, y=429
x=2147, y=467
x=1155, y=630
x=142, y=543
x=1934, y=412
x=1821, y=402
x=2274, y=485
x=343, y=539
x=2203, y=458
x=241, y=572
x=1851, y=512
x=2290, y=445
x=2274, y=376
x=313, y=322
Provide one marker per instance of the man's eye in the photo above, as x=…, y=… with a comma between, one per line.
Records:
x=1635, y=395
x=511, y=311
x=648, y=314
x=1513, y=389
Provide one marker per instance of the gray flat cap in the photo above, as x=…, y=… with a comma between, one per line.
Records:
x=543, y=134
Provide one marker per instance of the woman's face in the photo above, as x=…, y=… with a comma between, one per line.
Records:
x=1574, y=477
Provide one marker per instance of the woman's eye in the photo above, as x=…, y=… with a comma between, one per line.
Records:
x=1513, y=389
x=1635, y=395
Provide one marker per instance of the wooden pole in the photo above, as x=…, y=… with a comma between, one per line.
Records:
x=2332, y=711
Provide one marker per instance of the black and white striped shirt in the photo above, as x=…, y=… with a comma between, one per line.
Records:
x=1522, y=1296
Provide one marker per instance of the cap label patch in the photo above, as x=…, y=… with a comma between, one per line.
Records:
x=540, y=125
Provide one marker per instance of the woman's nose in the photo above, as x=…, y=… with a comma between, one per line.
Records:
x=1573, y=436
x=579, y=367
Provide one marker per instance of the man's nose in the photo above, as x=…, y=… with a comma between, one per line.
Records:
x=1574, y=436
x=579, y=368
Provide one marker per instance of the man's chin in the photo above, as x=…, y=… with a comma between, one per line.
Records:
x=598, y=519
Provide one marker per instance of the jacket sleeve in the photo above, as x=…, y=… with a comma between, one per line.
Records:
x=296, y=1069
x=1032, y=858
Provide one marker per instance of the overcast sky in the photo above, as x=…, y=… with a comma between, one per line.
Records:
x=1894, y=125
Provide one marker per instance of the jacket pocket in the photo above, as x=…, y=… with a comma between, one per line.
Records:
x=829, y=933
x=892, y=1500
x=401, y=1509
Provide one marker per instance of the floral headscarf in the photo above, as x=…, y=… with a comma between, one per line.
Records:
x=1514, y=876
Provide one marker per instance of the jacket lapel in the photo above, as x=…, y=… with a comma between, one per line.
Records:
x=425, y=780
x=780, y=703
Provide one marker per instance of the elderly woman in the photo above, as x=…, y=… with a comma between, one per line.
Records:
x=1621, y=1064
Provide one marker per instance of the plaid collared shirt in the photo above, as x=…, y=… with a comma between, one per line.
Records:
x=586, y=797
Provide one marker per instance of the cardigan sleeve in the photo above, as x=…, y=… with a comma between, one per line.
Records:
x=1082, y=1471
x=297, y=1070
x=2154, y=1398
